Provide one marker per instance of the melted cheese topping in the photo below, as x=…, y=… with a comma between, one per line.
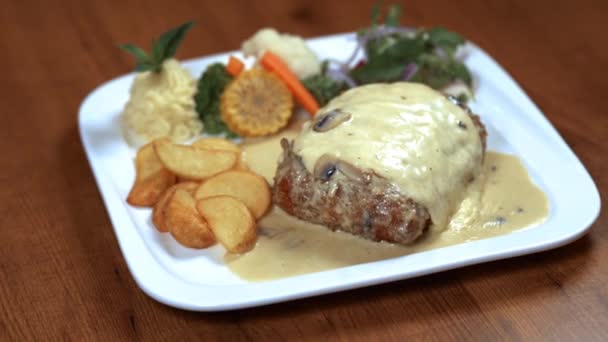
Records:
x=408, y=133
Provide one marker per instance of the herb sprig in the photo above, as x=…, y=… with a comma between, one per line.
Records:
x=163, y=48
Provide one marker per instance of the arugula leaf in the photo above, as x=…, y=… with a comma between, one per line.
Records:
x=376, y=12
x=438, y=72
x=401, y=49
x=387, y=58
x=463, y=98
x=393, y=15
x=162, y=49
x=376, y=47
x=207, y=99
x=460, y=72
x=373, y=72
x=447, y=40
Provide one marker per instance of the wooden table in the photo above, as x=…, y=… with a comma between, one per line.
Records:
x=62, y=275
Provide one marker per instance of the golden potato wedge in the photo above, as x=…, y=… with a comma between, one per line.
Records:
x=158, y=213
x=217, y=144
x=231, y=222
x=194, y=163
x=247, y=187
x=185, y=223
x=189, y=186
x=223, y=145
x=151, y=180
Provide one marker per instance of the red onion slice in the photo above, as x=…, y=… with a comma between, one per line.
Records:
x=340, y=75
x=409, y=72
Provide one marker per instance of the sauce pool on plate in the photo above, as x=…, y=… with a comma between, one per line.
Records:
x=501, y=200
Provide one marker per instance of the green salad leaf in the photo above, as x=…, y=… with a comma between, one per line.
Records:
x=323, y=87
x=376, y=13
x=393, y=15
x=437, y=72
x=447, y=40
x=387, y=59
x=389, y=53
x=210, y=87
x=162, y=49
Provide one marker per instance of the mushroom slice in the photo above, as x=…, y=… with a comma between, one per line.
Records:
x=325, y=167
x=330, y=120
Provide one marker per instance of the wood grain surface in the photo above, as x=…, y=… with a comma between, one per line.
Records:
x=62, y=276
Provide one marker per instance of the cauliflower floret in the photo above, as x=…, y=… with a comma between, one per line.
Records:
x=292, y=49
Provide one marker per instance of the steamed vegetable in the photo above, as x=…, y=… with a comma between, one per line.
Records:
x=234, y=66
x=210, y=87
x=256, y=103
x=292, y=49
x=162, y=49
x=274, y=63
x=324, y=86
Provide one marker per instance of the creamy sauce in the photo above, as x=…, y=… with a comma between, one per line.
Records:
x=502, y=199
x=408, y=133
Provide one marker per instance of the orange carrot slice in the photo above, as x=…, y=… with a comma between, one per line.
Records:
x=235, y=66
x=274, y=63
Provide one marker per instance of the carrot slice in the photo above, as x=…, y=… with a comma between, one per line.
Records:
x=235, y=66
x=274, y=63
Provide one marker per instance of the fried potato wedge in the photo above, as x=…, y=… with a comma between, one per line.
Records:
x=222, y=145
x=231, y=222
x=247, y=187
x=217, y=144
x=158, y=212
x=185, y=223
x=189, y=186
x=194, y=163
x=151, y=180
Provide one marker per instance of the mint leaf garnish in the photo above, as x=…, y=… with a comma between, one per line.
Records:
x=162, y=49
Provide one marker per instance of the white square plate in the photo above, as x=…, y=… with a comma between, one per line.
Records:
x=198, y=280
